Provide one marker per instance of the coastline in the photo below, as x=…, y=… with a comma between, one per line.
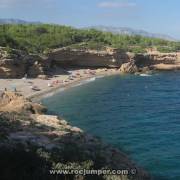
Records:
x=115, y=158
x=35, y=142
x=52, y=135
x=50, y=92
x=24, y=88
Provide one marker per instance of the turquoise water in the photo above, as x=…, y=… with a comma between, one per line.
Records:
x=140, y=115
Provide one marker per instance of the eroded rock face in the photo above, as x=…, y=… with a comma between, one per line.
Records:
x=11, y=63
x=157, y=58
x=113, y=58
x=129, y=67
x=88, y=58
x=166, y=58
x=11, y=68
x=56, y=137
x=15, y=102
x=18, y=64
x=37, y=66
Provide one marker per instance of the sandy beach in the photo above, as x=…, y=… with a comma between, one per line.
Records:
x=36, y=88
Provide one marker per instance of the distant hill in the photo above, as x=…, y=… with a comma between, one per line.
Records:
x=114, y=30
x=16, y=21
x=130, y=31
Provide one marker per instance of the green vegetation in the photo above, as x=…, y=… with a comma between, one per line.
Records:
x=8, y=123
x=41, y=38
x=27, y=160
x=31, y=162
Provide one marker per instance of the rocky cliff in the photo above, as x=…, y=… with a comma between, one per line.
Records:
x=17, y=64
x=36, y=143
x=15, y=102
x=151, y=61
x=11, y=64
x=89, y=58
x=111, y=58
x=114, y=58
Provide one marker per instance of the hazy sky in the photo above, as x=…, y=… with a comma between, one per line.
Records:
x=159, y=16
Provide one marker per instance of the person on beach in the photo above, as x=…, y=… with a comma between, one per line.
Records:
x=50, y=85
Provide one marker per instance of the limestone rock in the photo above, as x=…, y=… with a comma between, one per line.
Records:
x=88, y=58
x=55, y=137
x=129, y=67
x=38, y=66
x=10, y=68
x=17, y=63
x=15, y=102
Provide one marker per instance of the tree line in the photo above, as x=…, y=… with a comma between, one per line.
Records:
x=43, y=37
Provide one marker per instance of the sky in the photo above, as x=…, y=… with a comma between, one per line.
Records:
x=156, y=16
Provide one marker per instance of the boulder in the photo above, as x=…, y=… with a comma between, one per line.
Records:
x=15, y=102
x=129, y=67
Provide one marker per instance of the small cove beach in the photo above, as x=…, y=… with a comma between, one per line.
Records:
x=25, y=86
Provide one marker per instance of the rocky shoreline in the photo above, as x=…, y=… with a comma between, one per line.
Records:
x=17, y=64
x=24, y=124
x=50, y=139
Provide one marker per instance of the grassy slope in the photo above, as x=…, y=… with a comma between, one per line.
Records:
x=42, y=38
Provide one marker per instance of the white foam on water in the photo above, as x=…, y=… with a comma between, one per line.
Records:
x=100, y=77
x=63, y=89
x=90, y=80
x=145, y=75
x=85, y=82
x=79, y=84
x=54, y=92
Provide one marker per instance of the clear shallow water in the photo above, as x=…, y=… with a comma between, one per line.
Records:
x=140, y=115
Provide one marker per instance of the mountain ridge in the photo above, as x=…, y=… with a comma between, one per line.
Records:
x=131, y=32
x=17, y=21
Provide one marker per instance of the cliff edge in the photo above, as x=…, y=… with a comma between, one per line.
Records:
x=17, y=64
x=36, y=143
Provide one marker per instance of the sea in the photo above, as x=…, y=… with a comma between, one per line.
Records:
x=139, y=114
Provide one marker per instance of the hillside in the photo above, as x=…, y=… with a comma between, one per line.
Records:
x=114, y=30
x=40, y=38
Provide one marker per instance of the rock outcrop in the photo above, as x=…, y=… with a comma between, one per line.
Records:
x=37, y=65
x=53, y=142
x=110, y=58
x=129, y=67
x=88, y=58
x=17, y=64
x=11, y=64
x=150, y=59
x=15, y=102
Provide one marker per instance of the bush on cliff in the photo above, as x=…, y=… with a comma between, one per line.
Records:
x=31, y=162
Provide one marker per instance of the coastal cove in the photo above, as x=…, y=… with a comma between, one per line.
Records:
x=86, y=99
x=137, y=114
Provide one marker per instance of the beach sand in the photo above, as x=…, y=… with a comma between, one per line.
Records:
x=58, y=82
